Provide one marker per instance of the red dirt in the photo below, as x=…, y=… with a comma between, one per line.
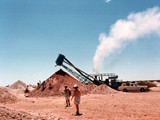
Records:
x=120, y=106
x=103, y=89
x=18, y=85
x=6, y=97
x=103, y=103
x=57, y=81
x=8, y=114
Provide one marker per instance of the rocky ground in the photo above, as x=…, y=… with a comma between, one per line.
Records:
x=97, y=102
x=109, y=106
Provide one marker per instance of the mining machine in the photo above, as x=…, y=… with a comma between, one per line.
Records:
x=109, y=79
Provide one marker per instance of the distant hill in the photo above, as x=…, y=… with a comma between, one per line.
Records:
x=18, y=85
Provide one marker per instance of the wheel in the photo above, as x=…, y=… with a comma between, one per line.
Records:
x=142, y=90
x=125, y=90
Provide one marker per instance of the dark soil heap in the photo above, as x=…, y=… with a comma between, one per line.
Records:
x=54, y=85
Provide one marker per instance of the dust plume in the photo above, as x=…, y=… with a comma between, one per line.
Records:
x=135, y=26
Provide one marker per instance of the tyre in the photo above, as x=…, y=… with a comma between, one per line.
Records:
x=142, y=90
x=125, y=90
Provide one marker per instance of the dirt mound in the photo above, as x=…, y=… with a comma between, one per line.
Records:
x=154, y=89
x=157, y=84
x=7, y=114
x=148, y=83
x=18, y=85
x=103, y=89
x=54, y=85
x=6, y=96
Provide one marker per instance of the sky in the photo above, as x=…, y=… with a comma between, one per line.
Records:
x=34, y=32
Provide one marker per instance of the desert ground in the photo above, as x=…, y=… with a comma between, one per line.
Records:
x=117, y=106
x=98, y=103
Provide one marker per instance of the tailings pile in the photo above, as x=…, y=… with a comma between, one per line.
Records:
x=18, y=85
x=8, y=114
x=6, y=96
x=54, y=85
x=103, y=89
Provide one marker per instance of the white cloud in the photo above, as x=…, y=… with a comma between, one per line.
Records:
x=108, y=1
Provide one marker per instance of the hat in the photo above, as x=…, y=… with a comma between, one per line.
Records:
x=75, y=86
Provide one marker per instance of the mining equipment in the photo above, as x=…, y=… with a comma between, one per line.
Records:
x=109, y=79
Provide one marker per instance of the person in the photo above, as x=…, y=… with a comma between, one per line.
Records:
x=50, y=86
x=67, y=94
x=43, y=85
x=26, y=91
x=76, y=95
x=38, y=84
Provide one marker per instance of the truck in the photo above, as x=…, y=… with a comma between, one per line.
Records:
x=132, y=87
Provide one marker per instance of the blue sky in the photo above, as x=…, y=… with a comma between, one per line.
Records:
x=34, y=32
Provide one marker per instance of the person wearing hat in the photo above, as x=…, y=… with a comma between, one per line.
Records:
x=76, y=95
